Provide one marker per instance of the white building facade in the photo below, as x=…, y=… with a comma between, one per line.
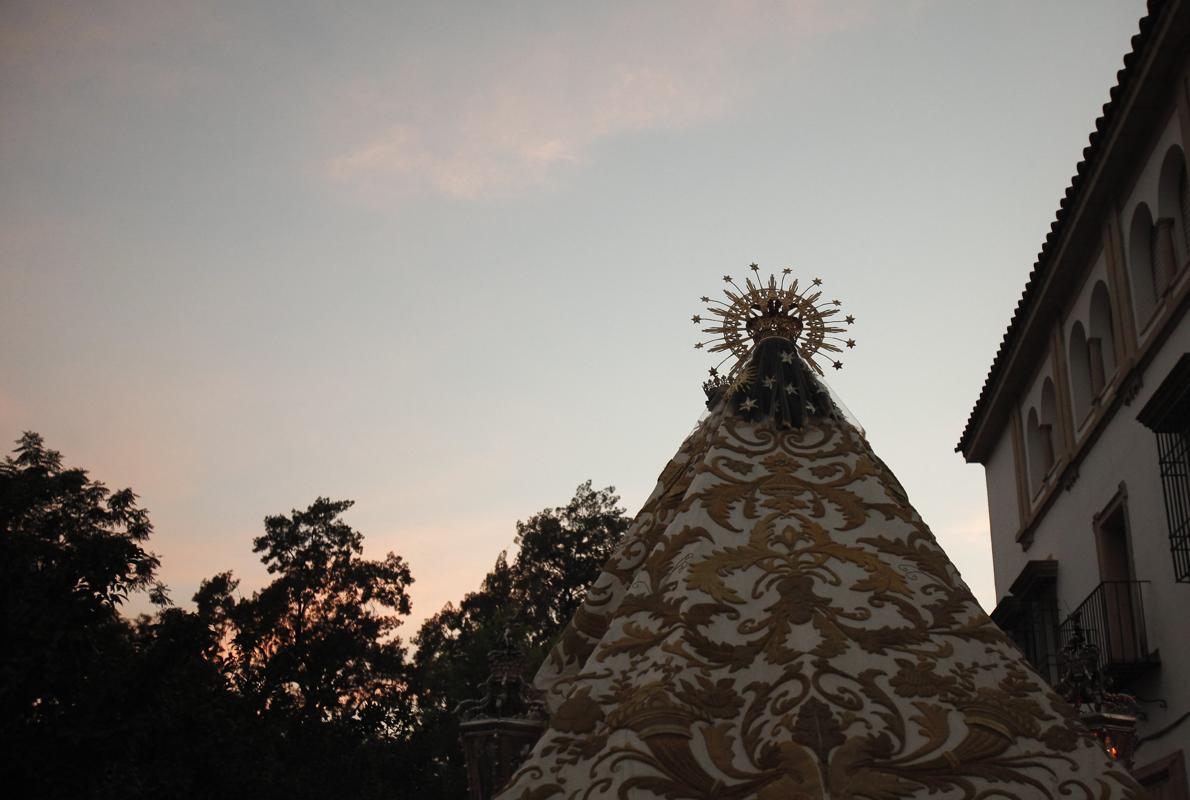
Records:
x=1083, y=425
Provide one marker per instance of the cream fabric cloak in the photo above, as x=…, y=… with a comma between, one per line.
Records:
x=780, y=623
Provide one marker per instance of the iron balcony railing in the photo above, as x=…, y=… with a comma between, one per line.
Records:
x=1113, y=619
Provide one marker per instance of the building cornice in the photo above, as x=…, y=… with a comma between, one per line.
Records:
x=1158, y=54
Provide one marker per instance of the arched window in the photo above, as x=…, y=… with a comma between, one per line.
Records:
x=1174, y=205
x=1039, y=437
x=1101, y=343
x=1080, y=373
x=1145, y=288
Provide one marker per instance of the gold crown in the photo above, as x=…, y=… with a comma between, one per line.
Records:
x=761, y=310
x=775, y=319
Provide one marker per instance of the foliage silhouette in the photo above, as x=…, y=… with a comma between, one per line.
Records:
x=301, y=689
x=315, y=643
x=561, y=551
x=314, y=654
x=71, y=552
x=93, y=705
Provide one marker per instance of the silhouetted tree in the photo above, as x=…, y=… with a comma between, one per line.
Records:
x=300, y=690
x=71, y=552
x=181, y=731
x=561, y=552
x=315, y=643
x=315, y=656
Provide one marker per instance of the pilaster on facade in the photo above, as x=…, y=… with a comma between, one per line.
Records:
x=1124, y=319
x=1023, y=495
x=1062, y=387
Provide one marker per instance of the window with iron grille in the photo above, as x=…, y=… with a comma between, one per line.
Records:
x=1174, y=455
x=1029, y=615
x=1036, y=635
x=1167, y=414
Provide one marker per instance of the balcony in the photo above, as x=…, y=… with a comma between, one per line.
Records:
x=1113, y=619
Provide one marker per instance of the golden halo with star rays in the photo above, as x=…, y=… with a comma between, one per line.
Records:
x=758, y=309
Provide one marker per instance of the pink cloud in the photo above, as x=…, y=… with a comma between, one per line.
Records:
x=519, y=133
x=547, y=103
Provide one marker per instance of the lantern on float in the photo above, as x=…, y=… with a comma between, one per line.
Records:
x=498, y=730
x=1111, y=716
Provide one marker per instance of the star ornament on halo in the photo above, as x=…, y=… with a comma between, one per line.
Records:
x=781, y=307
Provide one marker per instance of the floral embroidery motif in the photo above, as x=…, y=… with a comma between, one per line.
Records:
x=780, y=623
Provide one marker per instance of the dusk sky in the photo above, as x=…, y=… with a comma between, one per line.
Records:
x=441, y=258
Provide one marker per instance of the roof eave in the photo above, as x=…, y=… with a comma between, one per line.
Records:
x=1087, y=191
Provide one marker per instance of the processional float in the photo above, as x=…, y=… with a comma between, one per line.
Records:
x=779, y=622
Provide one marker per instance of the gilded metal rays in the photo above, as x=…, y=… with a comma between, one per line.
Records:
x=760, y=310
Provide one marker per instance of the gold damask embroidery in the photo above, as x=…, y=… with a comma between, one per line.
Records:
x=780, y=623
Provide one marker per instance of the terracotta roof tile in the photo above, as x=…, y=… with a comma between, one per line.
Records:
x=1090, y=155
